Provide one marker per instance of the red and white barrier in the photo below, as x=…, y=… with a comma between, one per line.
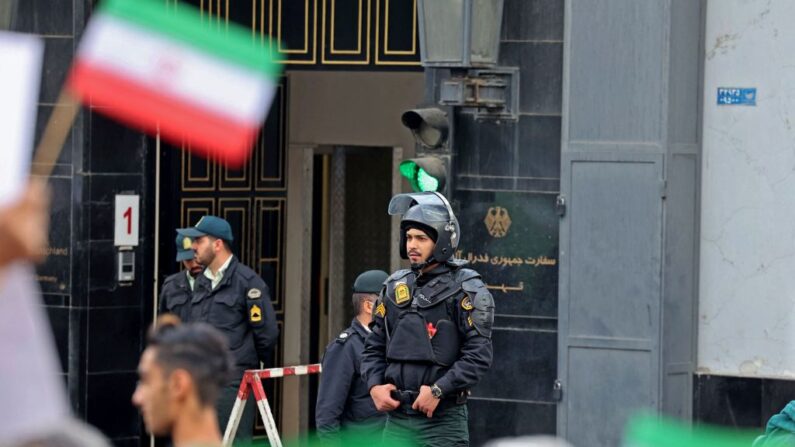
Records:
x=252, y=382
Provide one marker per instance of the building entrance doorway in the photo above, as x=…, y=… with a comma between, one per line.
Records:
x=351, y=233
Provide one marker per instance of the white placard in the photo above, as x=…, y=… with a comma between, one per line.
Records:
x=20, y=76
x=127, y=218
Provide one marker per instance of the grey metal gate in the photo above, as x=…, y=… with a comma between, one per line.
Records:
x=610, y=292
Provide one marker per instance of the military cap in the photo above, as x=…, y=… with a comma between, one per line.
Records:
x=184, y=250
x=370, y=281
x=209, y=226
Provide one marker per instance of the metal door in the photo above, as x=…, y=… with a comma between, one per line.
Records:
x=610, y=292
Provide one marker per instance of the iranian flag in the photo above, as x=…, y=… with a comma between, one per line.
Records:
x=197, y=82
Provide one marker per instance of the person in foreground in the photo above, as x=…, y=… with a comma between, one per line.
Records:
x=431, y=339
x=181, y=372
x=780, y=430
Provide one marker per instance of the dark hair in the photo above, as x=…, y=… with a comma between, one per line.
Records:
x=359, y=298
x=198, y=348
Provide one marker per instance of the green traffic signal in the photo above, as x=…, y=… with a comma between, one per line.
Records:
x=424, y=174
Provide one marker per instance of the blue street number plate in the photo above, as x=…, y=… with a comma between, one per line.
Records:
x=735, y=96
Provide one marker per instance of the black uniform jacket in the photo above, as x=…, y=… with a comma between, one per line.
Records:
x=175, y=296
x=343, y=398
x=474, y=353
x=240, y=307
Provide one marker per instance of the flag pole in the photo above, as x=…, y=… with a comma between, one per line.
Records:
x=63, y=117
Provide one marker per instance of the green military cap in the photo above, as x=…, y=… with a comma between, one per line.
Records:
x=184, y=250
x=370, y=281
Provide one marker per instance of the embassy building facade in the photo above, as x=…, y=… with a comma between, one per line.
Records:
x=595, y=204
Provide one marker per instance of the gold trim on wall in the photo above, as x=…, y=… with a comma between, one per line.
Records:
x=259, y=158
x=362, y=17
x=243, y=206
x=186, y=176
x=379, y=57
x=413, y=49
x=184, y=211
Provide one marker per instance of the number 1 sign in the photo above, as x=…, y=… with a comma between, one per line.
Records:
x=126, y=219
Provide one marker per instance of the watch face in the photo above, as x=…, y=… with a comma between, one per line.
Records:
x=436, y=391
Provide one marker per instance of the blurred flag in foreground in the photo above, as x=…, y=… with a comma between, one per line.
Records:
x=160, y=68
x=652, y=431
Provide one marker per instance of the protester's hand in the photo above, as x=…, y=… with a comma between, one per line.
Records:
x=382, y=399
x=24, y=225
x=425, y=402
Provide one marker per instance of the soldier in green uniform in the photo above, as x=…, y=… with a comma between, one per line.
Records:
x=234, y=299
x=431, y=339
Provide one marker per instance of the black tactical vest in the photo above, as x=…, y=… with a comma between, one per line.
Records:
x=421, y=321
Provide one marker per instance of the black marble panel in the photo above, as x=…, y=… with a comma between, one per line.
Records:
x=512, y=240
x=78, y=358
x=56, y=300
x=129, y=442
x=54, y=274
x=524, y=366
x=114, y=147
x=532, y=20
x=65, y=157
x=59, y=321
x=45, y=17
x=103, y=188
x=114, y=339
x=486, y=147
x=541, y=78
x=539, y=146
x=109, y=406
x=58, y=52
x=498, y=419
x=776, y=394
x=728, y=401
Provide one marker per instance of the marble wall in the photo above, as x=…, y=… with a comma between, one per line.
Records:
x=747, y=285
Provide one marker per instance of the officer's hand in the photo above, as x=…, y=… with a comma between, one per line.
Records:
x=381, y=398
x=425, y=402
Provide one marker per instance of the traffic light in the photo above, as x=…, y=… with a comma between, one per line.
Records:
x=429, y=126
x=424, y=174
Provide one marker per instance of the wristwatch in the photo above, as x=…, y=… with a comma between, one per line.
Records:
x=436, y=391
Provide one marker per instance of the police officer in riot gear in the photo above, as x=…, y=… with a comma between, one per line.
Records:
x=343, y=400
x=431, y=339
x=235, y=300
x=177, y=291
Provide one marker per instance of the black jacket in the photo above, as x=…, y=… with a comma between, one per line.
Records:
x=240, y=307
x=449, y=299
x=343, y=398
x=175, y=296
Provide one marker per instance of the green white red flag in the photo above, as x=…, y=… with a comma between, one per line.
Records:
x=164, y=69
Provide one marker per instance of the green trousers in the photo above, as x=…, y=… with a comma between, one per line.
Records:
x=446, y=429
x=226, y=401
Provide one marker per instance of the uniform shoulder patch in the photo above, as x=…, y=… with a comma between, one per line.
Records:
x=344, y=335
x=380, y=310
x=402, y=293
x=254, y=294
x=255, y=314
x=466, y=303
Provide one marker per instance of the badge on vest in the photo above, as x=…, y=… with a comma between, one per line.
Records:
x=466, y=304
x=380, y=310
x=254, y=294
x=402, y=293
x=255, y=314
